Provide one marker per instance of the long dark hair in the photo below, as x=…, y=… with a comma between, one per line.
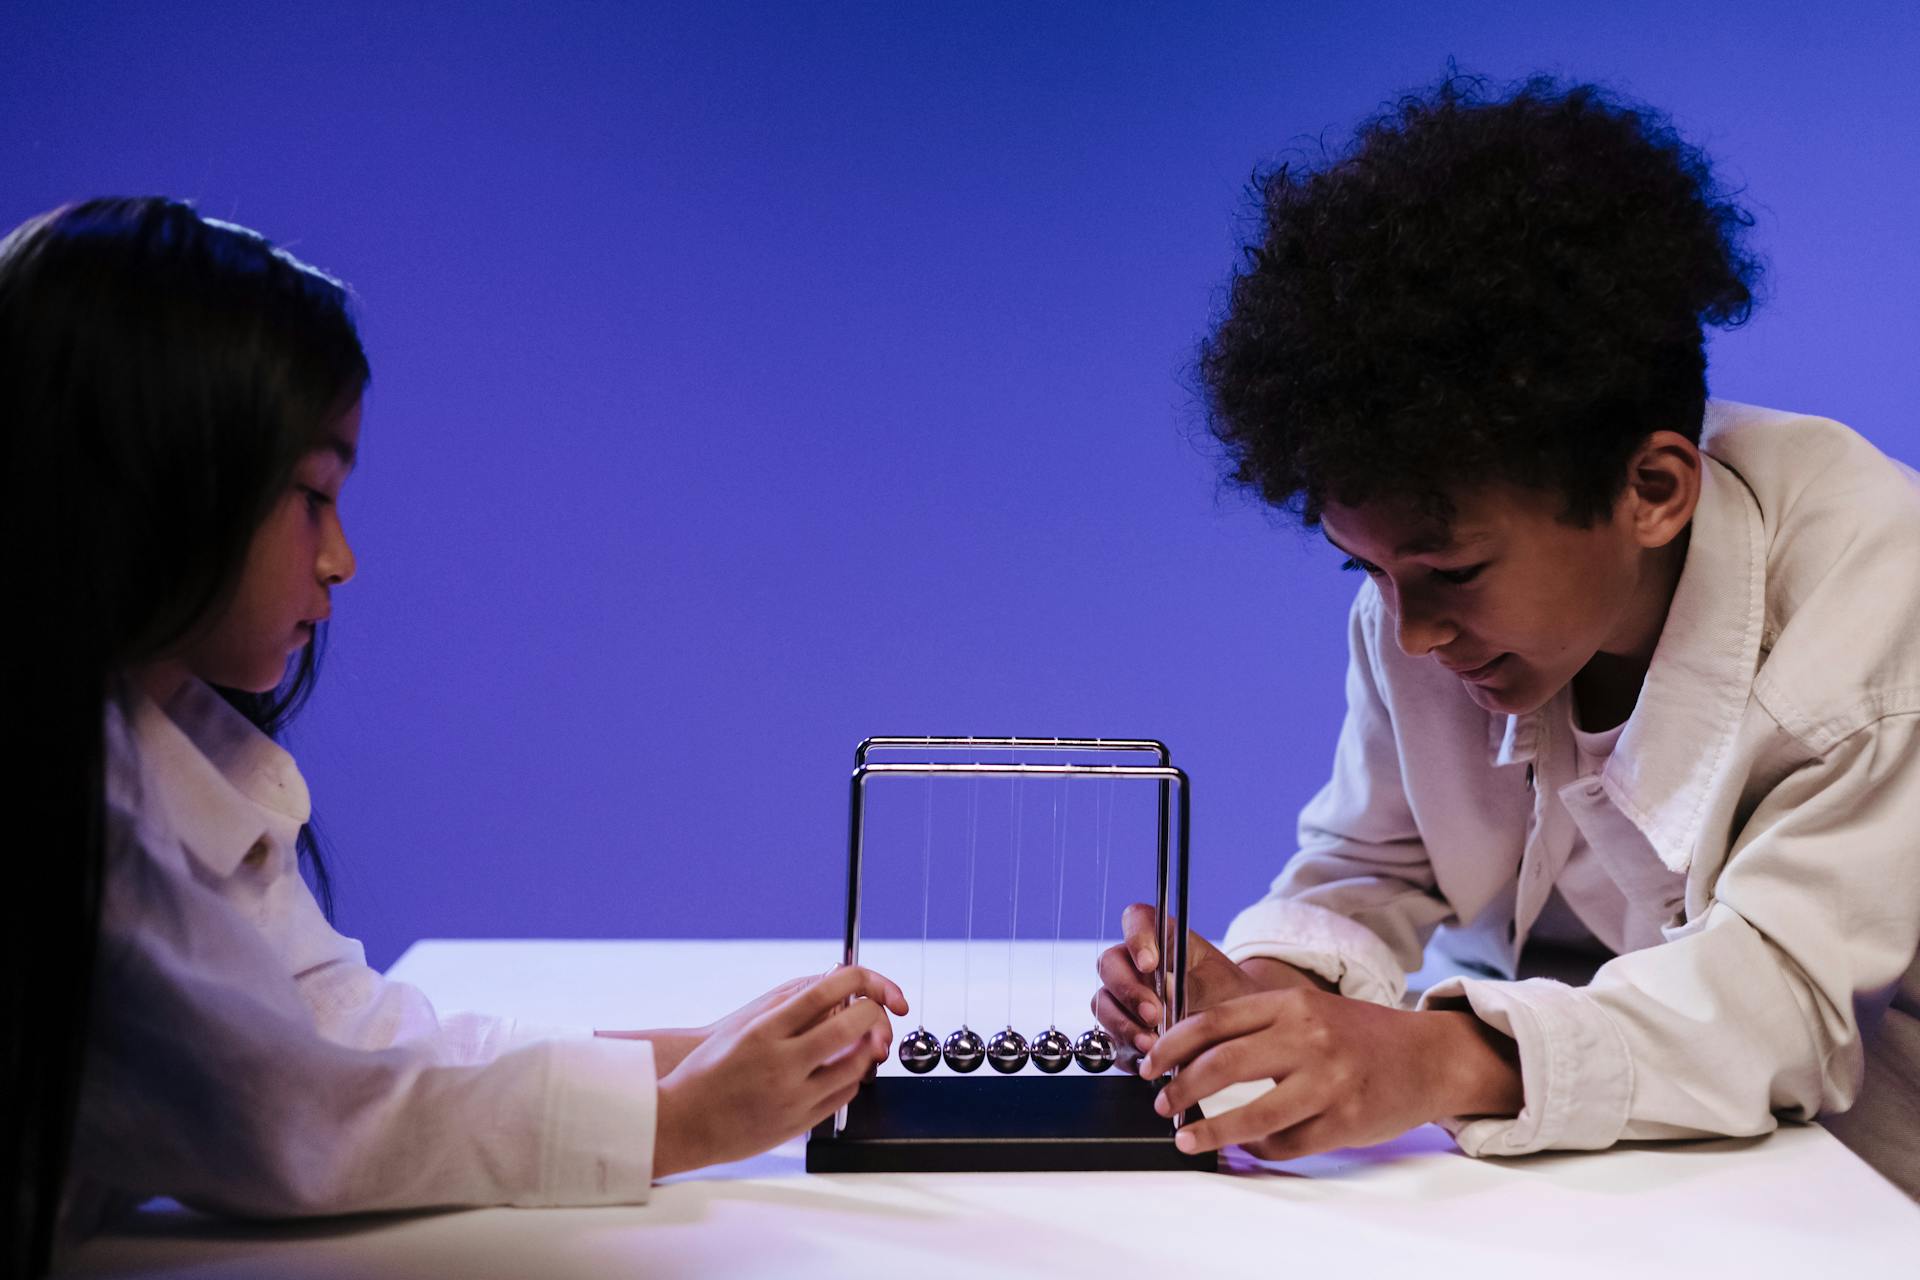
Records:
x=161, y=374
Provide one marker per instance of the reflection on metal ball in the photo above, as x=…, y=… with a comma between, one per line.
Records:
x=920, y=1051
x=1007, y=1051
x=1052, y=1051
x=965, y=1050
x=1093, y=1051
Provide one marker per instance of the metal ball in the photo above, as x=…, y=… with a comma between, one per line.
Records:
x=1094, y=1050
x=920, y=1051
x=1007, y=1051
x=965, y=1050
x=1052, y=1051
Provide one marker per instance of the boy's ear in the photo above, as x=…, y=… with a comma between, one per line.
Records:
x=1663, y=488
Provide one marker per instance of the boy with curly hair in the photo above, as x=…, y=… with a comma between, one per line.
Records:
x=1634, y=676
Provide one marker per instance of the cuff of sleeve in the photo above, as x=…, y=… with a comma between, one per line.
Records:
x=1575, y=1071
x=1322, y=942
x=598, y=1128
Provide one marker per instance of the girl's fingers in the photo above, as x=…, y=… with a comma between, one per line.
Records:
x=1188, y=1037
x=849, y=1067
x=1288, y=1103
x=831, y=1037
x=817, y=1001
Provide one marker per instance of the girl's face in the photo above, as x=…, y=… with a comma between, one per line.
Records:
x=298, y=555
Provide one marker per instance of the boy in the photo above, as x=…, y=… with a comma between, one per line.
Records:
x=1634, y=676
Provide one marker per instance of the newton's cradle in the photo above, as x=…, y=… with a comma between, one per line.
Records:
x=1083, y=1117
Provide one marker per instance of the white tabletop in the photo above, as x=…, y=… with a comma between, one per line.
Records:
x=1793, y=1204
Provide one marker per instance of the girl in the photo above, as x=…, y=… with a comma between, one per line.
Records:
x=182, y=410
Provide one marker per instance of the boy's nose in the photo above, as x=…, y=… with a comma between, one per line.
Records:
x=1420, y=633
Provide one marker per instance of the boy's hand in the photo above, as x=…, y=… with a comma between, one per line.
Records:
x=1346, y=1073
x=774, y=1069
x=1126, y=1004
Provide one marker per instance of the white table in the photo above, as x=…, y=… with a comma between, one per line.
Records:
x=1793, y=1204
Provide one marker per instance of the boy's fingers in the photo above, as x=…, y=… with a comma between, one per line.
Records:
x=1230, y=1062
x=1186, y=1038
x=1140, y=929
x=1285, y=1105
x=1119, y=977
x=1118, y=1023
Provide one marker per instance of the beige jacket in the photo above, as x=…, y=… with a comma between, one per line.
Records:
x=1761, y=814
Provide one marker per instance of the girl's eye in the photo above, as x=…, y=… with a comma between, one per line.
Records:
x=1352, y=565
x=315, y=499
x=1457, y=576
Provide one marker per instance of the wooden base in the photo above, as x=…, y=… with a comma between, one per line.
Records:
x=985, y=1123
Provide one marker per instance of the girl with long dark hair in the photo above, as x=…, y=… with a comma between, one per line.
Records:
x=181, y=403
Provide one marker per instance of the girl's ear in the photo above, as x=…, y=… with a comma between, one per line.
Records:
x=1663, y=488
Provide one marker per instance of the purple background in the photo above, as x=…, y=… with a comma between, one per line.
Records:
x=750, y=379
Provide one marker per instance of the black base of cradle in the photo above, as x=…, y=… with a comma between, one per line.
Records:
x=958, y=1124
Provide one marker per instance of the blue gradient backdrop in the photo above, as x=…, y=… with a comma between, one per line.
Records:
x=750, y=379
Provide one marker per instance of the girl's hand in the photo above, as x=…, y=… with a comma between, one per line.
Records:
x=1126, y=1005
x=1346, y=1073
x=671, y=1045
x=774, y=1069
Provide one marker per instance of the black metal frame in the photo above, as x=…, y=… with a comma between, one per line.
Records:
x=961, y=1123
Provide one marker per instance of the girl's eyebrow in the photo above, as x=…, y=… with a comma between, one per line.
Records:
x=340, y=449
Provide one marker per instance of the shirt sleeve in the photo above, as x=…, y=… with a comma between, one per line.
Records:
x=1753, y=1009
x=1358, y=902
x=357, y=1006
x=209, y=1079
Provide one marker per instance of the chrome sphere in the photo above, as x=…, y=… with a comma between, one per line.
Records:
x=1007, y=1051
x=920, y=1051
x=1052, y=1051
x=965, y=1050
x=1094, y=1050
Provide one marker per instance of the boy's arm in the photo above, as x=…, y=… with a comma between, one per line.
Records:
x=1753, y=1009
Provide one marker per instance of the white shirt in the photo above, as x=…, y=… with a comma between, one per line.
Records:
x=242, y=1056
x=1760, y=814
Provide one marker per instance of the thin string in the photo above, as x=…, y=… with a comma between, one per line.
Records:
x=1017, y=803
x=1103, y=861
x=966, y=956
x=926, y=896
x=1059, y=899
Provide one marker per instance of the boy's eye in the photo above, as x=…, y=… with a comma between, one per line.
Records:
x=1467, y=574
x=1352, y=565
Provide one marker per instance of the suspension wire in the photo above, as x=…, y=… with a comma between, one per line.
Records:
x=926, y=897
x=1060, y=846
x=1016, y=800
x=966, y=956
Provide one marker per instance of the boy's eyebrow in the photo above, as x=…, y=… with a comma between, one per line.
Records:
x=1426, y=543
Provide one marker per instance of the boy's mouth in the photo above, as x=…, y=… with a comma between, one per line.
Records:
x=1474, y=675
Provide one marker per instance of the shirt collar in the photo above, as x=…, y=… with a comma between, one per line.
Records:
x=224, y=784
x=1679, y=737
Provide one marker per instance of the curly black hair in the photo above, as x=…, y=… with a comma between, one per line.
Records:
x=1483, y=287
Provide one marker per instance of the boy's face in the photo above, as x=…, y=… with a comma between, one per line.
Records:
x=1507, y=597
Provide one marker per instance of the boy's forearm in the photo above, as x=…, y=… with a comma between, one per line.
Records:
x=1474, y=1068
x=1278, y=975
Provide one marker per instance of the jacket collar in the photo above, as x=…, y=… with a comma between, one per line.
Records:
x=224, y=785
x=1678, y=740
